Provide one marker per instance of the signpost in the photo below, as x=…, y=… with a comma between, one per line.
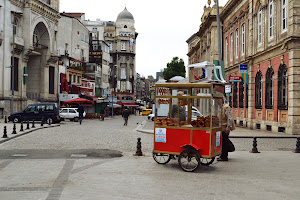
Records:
x=235, y=79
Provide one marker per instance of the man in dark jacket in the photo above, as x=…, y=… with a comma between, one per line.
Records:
x=81, y=111
x=125, y=116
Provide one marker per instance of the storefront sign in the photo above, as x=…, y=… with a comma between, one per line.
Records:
x=227, y=89
x=163, y=91
x=235, y=79
x=161, y=135
x=243, y=68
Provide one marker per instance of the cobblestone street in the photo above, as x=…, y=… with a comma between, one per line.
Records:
x=95, y=161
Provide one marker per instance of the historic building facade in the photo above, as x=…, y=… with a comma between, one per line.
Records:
x=121, y=38
x=264, y=34
x=203, y=45
x=34, y=53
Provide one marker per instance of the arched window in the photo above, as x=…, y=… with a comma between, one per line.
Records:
x=241, y=94
x=234, y=93
x=258, y=90
x=269, y=88
x=246, y=100
x=282, y=88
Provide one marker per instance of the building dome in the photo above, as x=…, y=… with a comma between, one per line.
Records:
x=125, y=14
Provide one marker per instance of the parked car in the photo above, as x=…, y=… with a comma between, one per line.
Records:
x=37, y=112
x=146, y=111
x=70, y=113
x=151, y=117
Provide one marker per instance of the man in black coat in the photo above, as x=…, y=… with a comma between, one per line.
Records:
x=125, y=116
x=81, y=111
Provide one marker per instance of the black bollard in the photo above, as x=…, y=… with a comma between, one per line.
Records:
x=5, y=119
x=5, y=133
x=297, y=150
x=27, y=125
x=42, y=122
x=33, y=124
x=21, y=129
x=254, y=148
x=14, y=129
x=139, y=148
x=49, y=121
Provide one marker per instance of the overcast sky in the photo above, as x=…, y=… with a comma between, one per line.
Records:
x=163, y=26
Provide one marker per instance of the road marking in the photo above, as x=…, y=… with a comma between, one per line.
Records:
x=79, y=155
x=19, y=155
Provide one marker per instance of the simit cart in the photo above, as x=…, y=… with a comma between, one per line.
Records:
x=187, y=123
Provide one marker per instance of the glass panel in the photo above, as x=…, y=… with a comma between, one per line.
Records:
x=72, y=111
x=30, y=109
x=64, y=111
x=41, y=108
x=49, y=107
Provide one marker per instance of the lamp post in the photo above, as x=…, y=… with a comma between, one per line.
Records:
x=219, y=35
x=13, y=62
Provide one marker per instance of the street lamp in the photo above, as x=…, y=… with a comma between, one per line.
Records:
x=219, y=35
x=13, y=62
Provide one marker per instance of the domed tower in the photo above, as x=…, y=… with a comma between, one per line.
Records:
x=124, y=51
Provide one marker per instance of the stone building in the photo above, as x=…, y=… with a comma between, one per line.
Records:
x=73, y=52
x=121, y=38
x=203, y=45
x=34, y=53
x=264, y=35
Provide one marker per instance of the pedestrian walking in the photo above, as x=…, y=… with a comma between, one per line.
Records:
x=125, y=115
x=227, y=126
x=81, y=111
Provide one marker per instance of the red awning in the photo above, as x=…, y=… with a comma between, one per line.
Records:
x=78, y=101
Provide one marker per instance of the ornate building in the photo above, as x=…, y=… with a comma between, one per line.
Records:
x=34, y=53
x=121, y=38
x=263, y=34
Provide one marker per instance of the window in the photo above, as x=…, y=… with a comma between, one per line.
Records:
x=16, y=73
x=47, y=1
x=110, y=46
x=236, y=43
x=241, y=94
x=35, y=40
x=246, y=101
x=78, y=79
x=269, y=88
x=234, y=93
x=243, y=39
x=41, y=108
x=74, y=78
x=72, y=111
x=271, y=19
x=123, y=45
x=123, y=73
x=258, y=90
x=111, y=59
x=70, y=78
x=64, y=111
x=30, y=109
x=282, y=87
x=226, y=50
x=259, y=30
x=231, y=46
x=51, y=80
x=284, y=15
x=49, y=107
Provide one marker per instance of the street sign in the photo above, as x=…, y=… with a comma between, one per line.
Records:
x=227, y=89
x=243, y=68
x=235, y=79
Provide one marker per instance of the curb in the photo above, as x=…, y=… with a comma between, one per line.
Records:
x=24, y=133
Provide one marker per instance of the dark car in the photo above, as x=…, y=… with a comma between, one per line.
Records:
x=47, y=111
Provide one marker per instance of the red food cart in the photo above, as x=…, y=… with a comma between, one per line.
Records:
x=187, y=123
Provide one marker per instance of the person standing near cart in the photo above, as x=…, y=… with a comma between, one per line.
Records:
x=125, y=116
x=227, y=126
x=81, y=111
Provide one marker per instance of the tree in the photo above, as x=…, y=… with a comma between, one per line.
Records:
x=174, y=68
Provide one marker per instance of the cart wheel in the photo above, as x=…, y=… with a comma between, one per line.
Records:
x=189, y=160
x=207, y=161
x=161, y=158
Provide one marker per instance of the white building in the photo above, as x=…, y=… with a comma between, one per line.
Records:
x=73, y=51
x=34, y=53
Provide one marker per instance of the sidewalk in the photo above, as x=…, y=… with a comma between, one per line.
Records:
x=9, y=128
x=148, y=127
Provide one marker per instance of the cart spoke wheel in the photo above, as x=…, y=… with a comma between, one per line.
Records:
x=161, y=158
x=207, y=161
x=189, y=160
